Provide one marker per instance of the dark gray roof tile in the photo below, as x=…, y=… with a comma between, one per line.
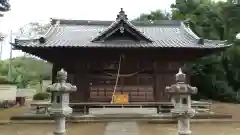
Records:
x=77, y=33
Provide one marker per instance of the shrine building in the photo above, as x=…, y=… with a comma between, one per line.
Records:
x=136, y=58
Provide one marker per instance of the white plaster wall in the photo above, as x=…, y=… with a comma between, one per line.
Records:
x=26, y=92
x=8, y=92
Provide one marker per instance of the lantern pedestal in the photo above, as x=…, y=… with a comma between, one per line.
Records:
x=184, y=126
x=60, y=125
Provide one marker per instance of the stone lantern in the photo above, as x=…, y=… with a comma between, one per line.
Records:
x=60, y=103
x=181, y=98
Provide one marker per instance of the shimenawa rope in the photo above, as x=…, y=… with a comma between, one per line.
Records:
x=118, y=73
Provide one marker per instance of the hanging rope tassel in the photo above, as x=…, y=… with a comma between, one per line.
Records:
x=118, y=73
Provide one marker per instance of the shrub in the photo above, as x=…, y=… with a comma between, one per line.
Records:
x=41, y=96
x=4, y=80
x=7, y=103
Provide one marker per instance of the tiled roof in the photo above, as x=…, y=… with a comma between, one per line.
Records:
x=80, y=33
x=122, y=24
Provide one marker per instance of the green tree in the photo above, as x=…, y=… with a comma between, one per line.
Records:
x=153, y=16
x=42, y=69
x=27, y=70
x=217, y=76
x=4, y=6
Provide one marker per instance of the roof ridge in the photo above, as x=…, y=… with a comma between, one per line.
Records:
x=215, y=41
x=115, y=23
x=79, y=33
x=189, y=33
x=109, y=22
x=48, y=33
x=120, y=20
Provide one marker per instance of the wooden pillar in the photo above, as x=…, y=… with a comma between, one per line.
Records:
x=155, y=92
x=158, y=82
x=186, y=71
x=82, y=83
x=161, y=83
x=70, y=78
x=55, y=69
x=168, y=79
x=162, y=77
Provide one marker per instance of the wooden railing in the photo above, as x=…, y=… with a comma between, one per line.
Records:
x=100, y=93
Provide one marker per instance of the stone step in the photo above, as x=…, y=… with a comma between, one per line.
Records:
x=152, y=121
x=126, y=117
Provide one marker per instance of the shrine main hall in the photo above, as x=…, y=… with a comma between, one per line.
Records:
x=136, y=58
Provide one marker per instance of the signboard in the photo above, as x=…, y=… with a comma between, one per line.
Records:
x=121, y=98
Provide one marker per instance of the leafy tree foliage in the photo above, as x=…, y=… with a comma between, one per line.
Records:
x=153, y=16
x=4, y=6
x=217, y=76
x=26, y=70
x=29, y=70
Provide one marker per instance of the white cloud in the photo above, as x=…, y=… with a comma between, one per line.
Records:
x=24, y=11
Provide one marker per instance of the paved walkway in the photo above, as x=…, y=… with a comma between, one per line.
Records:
x=122, y=128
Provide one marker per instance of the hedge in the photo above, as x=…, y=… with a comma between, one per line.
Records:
x=41, y=96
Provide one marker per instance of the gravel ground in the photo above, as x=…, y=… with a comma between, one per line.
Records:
x=47, y=129
x=120, y=128
x=125, y=128
x=197, y=129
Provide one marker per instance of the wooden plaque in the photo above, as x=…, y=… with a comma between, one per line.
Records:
x=121, y=98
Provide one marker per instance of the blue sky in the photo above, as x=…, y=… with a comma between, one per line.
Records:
x=25, y=11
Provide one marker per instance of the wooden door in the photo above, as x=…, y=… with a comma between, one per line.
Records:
x=141, y=90
x=139, y=86
x=101, y=88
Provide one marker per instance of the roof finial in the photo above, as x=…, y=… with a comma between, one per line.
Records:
x=180, y=76
x=62, y=75
x=180, y=71
x=122, y=15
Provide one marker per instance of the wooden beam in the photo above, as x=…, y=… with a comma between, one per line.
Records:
x=158, y=82
x=82, y=82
